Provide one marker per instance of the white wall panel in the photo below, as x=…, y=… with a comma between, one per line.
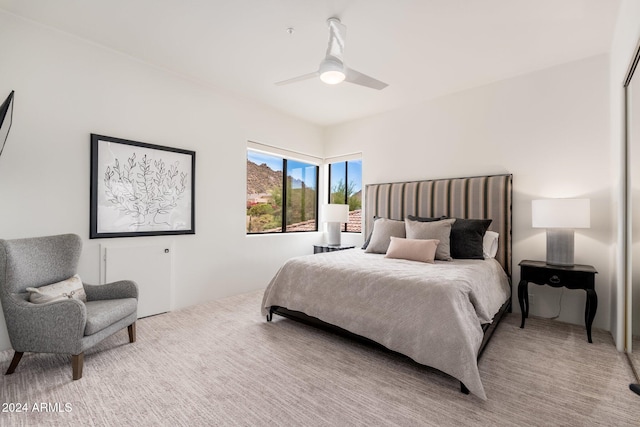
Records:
x=150, y=266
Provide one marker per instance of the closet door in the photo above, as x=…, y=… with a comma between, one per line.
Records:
x=632, y=105
x=150, y=266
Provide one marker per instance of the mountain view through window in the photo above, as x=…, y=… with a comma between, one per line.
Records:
x=276, y=205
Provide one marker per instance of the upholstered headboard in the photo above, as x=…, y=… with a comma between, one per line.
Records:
x=481, y=197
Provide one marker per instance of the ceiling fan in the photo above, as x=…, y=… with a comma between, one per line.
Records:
x=332, y=69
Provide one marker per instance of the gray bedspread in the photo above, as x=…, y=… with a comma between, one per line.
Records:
x=429, y=312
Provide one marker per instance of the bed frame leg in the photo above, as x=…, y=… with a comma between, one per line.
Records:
x=270, y=316
x=463, y=388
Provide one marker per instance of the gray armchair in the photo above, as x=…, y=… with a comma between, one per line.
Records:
x=69, y=326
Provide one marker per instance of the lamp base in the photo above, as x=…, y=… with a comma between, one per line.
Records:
x=333, y=233
x=560, y=246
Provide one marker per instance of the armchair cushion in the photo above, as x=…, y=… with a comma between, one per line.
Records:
x=103, y=313
x=70, y=288
x=114, y=290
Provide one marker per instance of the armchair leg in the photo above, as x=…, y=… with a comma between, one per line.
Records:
x=14, y=362
x=132, y=332
x=77, y=363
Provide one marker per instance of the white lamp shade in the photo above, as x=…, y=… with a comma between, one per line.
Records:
x=561, y=213
x=336, y=213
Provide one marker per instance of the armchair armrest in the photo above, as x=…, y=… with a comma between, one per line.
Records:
x=56, y=327
x=114, y=290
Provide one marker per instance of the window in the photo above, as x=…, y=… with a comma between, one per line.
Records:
x=279, y=202
x=345, y=187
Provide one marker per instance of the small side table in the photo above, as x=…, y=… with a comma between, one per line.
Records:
x=574, y=277
x=330, y=248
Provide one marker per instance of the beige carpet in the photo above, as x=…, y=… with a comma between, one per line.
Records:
x=220, y=363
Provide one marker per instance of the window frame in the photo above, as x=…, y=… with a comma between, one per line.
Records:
x=332, y=161
x=284, y=197
x=285, y=156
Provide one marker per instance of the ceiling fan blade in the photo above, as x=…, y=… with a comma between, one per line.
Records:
x=298, y=79
x=358, y=78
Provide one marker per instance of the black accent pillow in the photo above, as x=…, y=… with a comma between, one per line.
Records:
x=424, y=218
x=466, y=236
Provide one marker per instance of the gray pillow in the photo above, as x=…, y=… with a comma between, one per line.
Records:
x=439, y=230
x=383, y=230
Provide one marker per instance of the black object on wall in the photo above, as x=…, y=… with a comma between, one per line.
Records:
x=5, y=125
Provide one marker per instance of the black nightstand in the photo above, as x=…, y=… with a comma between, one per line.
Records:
x=575, y=277
x=330, y=248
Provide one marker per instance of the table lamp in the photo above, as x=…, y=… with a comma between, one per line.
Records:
x=334, y=215
x=560, y=217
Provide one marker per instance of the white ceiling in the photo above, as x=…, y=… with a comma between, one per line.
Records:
x=421, y=48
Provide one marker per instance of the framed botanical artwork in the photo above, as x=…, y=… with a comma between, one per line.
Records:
x=140, y=189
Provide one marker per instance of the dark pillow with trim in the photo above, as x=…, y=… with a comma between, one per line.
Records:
x=424, y=218
x=466, y=236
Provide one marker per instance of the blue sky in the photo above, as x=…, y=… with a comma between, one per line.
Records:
x=258, y=158
x=303, y=172
x=297, y=169
x=354, y=175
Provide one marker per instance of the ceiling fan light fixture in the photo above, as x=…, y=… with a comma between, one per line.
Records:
x=331, y=71
x=332, y=77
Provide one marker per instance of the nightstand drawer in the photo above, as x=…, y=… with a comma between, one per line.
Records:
x=556, y=277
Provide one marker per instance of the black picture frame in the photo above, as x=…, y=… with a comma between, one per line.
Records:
x=6, y=109
x=140, y=189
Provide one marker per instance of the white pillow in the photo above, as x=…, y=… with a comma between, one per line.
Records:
x=490, y=244
x=423, y=250
x=70, y=288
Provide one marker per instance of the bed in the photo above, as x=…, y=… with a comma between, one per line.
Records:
x=440, y=314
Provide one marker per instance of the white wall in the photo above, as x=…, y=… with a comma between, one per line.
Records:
x=549, y=128
x=625, y=40
x=67, y=88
